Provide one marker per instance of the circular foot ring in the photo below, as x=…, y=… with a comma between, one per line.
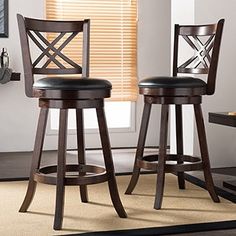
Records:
x=93, y=175
x=150, y=162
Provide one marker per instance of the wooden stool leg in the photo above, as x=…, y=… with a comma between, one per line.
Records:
x=109, y=163
x=140, y=147
x=179, y=142
x=162, y=156
x=61, y=169
x=38, y=146
x=81, y=150
x=204, y=153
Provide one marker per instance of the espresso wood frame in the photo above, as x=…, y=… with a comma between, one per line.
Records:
x=63, y=100
x=179, y=96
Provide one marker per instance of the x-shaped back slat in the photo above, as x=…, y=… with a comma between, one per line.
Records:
x=202, y=51
x=56, y=51
x=44, y=51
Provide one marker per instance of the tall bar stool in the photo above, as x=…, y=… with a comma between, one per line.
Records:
x=65, y=92
x=179, y=90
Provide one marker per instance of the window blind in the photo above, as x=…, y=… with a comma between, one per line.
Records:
x=112, y=40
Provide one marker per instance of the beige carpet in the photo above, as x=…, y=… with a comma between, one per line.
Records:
x=179, y=207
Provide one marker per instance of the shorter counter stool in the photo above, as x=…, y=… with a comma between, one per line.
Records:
x=179, y=90
x=58, y=90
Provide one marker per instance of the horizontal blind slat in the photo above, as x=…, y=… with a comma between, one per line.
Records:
x=112, y=40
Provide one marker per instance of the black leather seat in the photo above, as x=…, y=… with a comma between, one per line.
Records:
x=171, y=82
x=73, y=83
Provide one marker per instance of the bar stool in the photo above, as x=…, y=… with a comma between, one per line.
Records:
x=65, y=92
x=179, y=90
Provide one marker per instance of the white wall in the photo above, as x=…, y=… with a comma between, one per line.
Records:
x=154, y=37
x=19, y=114
x=221, y=139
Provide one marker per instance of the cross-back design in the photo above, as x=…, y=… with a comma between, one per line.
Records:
x=205, y=41
x=56, y=52
x=201, y=59
x=51, y=52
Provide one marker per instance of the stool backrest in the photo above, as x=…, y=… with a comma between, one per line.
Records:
x=51, y=59
x=205, y=41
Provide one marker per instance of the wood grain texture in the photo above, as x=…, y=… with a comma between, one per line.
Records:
x=37, y=153
x=140, y=148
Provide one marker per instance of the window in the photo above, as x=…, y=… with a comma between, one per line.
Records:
x=112, y=43
x=114, y=119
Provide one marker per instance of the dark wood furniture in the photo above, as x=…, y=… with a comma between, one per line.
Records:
x=223, y=118
x=179, y=90
x=63, y=92
x=15, y=76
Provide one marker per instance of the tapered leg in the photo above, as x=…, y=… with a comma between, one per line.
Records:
x=81, y=150
x=38, y=145
x=61, y=169
x=162, y=157
x=109, y=163
x=179, y=142
x=204, y=153
x=140, y=147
